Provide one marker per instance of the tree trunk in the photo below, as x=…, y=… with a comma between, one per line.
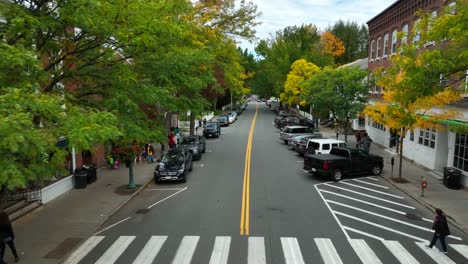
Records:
x=345, y=131
x=192, y=123
x=401, y=159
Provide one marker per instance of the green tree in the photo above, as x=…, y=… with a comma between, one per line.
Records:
x=341, y=91
x=355, y=40
x=420, y=83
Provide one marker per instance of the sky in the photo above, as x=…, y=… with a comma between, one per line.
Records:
x=278, y=14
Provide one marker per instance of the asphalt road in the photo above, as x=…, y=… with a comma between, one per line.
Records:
x=273, y=212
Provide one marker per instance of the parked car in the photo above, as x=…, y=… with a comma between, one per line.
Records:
x=290, y=131
x=295, y=121
x=259, y=100
x=301, y=146
x=232, y=117
x=174, y=166
x=343, y=161
x=223, y=120
x=295, y=140
x=195, y=144
x=212, y=129
x=324, y=145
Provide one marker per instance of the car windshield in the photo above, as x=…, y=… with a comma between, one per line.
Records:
x=189, y=140
x=211, y=124
x=173, y=158
x=222, y=118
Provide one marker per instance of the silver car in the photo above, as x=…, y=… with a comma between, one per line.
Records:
x=292, y=142
x=290, y=131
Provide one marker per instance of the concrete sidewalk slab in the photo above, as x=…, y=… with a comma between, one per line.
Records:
x=453, y=202
x=50, y=233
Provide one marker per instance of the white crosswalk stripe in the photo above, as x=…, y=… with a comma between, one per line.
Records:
x=186, y=249
x=400, y=252
x=292, y=251
x=364, y=252
x=83, y=250
x=220, y=252
x=256, y=251
x=256, y=254
x=114, y=252
x=327, y=251
x=462, y=249
x=151, y=250
x=435, y=254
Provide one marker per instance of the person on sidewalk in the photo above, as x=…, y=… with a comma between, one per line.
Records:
x=150, y=153
x=366, y=142
x=7, y=237
x=172, y=140
x=441, y=230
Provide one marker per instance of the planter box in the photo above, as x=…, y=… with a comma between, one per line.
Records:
x=55, y=190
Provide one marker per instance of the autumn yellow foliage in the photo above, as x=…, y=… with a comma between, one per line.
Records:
x=301, y=70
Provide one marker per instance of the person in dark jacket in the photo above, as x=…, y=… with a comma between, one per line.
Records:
x=441, y=230
x=7, y=236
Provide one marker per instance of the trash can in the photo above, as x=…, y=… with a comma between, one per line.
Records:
x=452, y=178
x=91, y=175
x=81, y=178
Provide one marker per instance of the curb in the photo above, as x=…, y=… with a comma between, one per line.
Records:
x=125, y=202
x=427, y=205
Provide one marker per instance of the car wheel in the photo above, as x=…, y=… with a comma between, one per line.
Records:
x=204, y=149
x=285, y=141
x=376, y=170
x=157, y=181
x=184, y=179
x=191, y=167
x=337, y=174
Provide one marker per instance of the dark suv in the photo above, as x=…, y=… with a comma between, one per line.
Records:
x=195, y=144
x=212, y=129
x=174, y=166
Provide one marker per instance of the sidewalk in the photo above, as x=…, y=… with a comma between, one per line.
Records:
x=51, y=232
x=453, y=202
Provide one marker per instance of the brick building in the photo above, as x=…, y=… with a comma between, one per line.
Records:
x=434, y=149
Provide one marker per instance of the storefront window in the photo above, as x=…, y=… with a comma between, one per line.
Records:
x=460, y=158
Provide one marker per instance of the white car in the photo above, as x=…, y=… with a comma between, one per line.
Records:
x=232, y=117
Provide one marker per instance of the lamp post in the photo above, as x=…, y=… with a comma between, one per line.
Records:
x=131, y=181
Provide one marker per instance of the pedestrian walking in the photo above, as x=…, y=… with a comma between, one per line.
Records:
x=172, y=140
x=366, y=142
x=150, y=153
x=199, y=122
x=204, y=122
x=441, y=230
x=7, y=237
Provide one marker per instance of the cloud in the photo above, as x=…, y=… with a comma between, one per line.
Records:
x=278, y=14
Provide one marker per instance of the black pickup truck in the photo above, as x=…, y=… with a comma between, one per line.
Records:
x=342, y=161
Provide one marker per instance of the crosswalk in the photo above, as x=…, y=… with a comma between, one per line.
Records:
x=257, y=252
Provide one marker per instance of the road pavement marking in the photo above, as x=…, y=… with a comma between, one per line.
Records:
x=292, y=251
x=372, y=184
x=435, y=254
x=199, y=165
x=372, y=178
x=300, y=161
x=123, y=220
x=364, y=252
x=256, y=254
x=245, y=209
x=327, y=251
x=370, y=196
x=400, y=252
x=186, y=249
x=365, y=202
x=381, y=216
x=220, y=252
x=363, y=233
x=332, y=212
x=83, y=250
x=149, y=207
x=113, y=253
x=462, y=249
x=151, y=250
x=169, y=189
x=382, y=227
x=372, y=190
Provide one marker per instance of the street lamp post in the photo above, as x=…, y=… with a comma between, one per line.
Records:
x=131, y=181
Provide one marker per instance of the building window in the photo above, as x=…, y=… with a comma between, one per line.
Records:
x=372, y=54
x=460, y=157
x=379, y=126
x=417, y=35
x=394, y=41
x=386, y=45
x=378, y=47
x=427, y=137
x=404, y=39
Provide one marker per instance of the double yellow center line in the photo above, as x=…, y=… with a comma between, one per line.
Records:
x=245, y=222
